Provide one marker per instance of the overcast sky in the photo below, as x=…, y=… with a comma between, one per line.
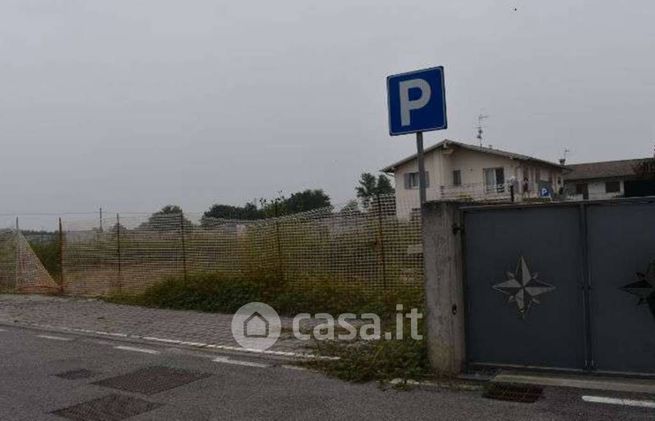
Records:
x=134, y=104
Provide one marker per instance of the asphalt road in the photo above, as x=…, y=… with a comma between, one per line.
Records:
x=235, y=387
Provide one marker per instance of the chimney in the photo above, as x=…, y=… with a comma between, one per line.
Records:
x=562, y=161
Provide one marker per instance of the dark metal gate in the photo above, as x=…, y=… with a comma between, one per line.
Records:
x=562, y=286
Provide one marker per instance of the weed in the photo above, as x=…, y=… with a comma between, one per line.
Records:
x=381, y=360
x=359, y=361
x=217, y=292
x=201, y=292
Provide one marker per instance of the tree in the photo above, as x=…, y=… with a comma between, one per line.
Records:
x=307, y=200
x=116, y=229
x=167, y=219
x=249, y=211
x=384, y=185
x=270, y=208
x=273, y=208
x=352, y=207
x=370, y=187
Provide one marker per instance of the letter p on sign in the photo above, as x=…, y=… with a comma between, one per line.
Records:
x=417, y=101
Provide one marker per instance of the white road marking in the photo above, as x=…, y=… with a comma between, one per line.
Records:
x=616, y=401
x=194, y=344
x=54, y=338
x=294, y=367
x=180, y=342
x=2, y=330
x=225, y=360
x=271, y=352
x=167, y=341
x=135, y=349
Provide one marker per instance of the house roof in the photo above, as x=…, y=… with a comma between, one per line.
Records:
x=446, y=143
x=606, y=169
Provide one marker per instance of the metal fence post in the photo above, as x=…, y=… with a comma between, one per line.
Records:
x=118, y=251
x=17, y=256
x=183, y=246
x=278, y=243
x=381, y=239
x=62, y=285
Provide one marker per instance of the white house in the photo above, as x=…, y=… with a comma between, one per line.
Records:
x=459, y=171
x=610, y=179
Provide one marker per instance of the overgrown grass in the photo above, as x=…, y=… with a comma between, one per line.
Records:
x=201, y=292
x=379, y=360
x=215, y=292
x=359, y=361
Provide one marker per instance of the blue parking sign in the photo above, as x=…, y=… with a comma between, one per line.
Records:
x=417, y=101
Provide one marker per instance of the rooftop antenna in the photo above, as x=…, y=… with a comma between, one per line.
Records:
x=480, y=131
x=562, y=160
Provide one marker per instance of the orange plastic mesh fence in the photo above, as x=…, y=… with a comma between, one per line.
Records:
x=375, y=246
x=7, y=260
x=20, y=268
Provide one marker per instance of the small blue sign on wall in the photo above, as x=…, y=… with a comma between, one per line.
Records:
x=417, y=101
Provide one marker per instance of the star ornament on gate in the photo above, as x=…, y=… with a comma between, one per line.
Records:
x=644, y=288
x=523, y=287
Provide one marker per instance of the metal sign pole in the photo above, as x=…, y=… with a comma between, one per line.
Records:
x=423, y=110
x=421, y=167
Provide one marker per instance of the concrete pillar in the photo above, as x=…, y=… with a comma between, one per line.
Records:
x=444, y=286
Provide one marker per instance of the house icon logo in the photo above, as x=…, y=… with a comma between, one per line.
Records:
x=256, y=326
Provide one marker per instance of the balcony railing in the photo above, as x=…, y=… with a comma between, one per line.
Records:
x=476, y=192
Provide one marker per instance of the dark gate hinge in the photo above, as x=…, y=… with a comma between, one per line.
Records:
x=457, y=228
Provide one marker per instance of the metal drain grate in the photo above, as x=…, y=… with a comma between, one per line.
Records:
x=513, y=392
x=151, y=380
x=76, y=374
x=108, y=408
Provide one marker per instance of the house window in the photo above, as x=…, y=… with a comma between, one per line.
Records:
x=494, y=180
x=582, y=189
x=457, y=178
x=613, y=187
x=411, y=180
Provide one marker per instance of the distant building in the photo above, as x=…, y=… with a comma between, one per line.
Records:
x=610, y=179
x=460, y=171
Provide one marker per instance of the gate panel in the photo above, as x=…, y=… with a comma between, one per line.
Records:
x=622, y=268
x=524, y=271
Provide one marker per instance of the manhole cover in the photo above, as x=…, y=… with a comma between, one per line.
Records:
x=513, y=392
x=151, y=380
x=108, y=408
x=76, y=374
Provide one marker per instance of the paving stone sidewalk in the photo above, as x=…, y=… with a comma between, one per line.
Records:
x=83, y=314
